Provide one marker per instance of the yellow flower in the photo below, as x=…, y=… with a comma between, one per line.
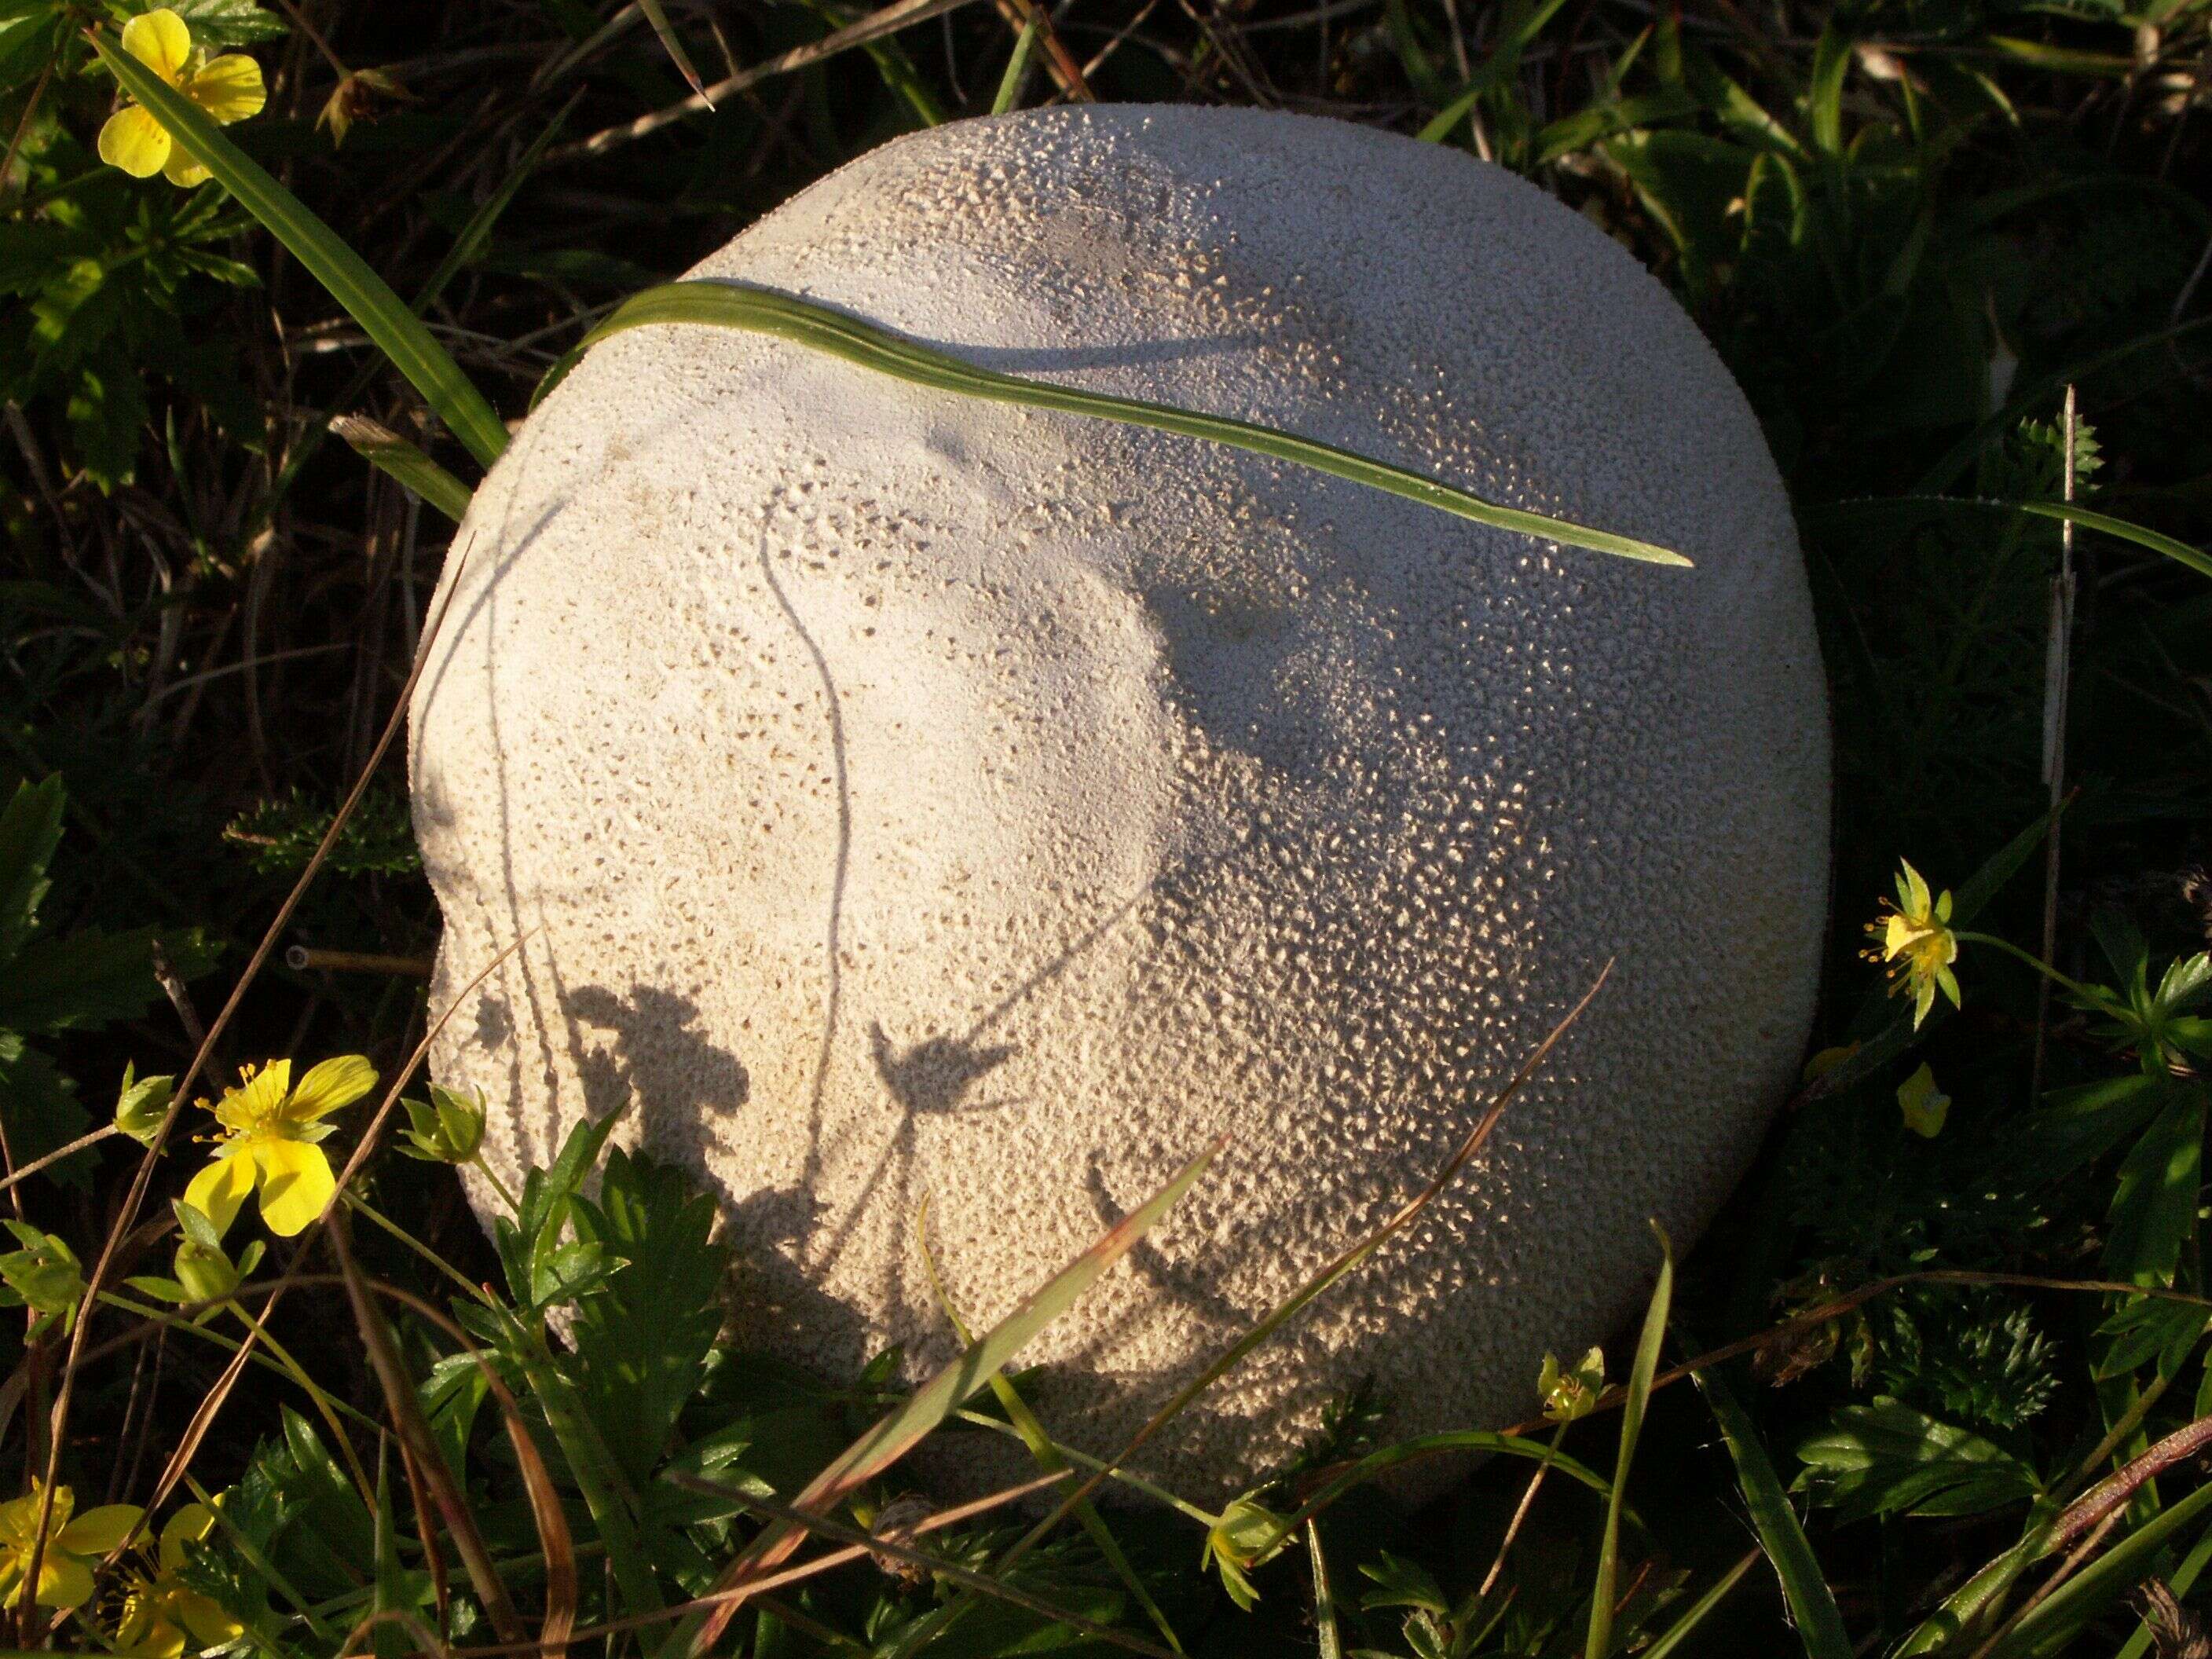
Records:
x=1569, y=1395
x=227, y=88
x=1914, y=937
x=72, y=1547
x=162, y=1617
x=1924, y=1105
x=269, y=1132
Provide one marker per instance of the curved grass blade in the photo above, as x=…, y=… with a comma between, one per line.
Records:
x=2154, y=540
x=398, y=332
x=673, y=45
x=1039, y=1441
x=1812, y=1605
x=1598, y=1642
x=801, y=322
x=904, y=1428
x=1683, y=1628
x=393, y=455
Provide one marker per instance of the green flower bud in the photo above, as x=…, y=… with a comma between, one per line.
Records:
x=43, y=1275
x=448, y=1129
x=1248, y=1534
x=140, y=1104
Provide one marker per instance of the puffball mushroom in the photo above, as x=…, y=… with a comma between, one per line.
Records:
x=900, y=796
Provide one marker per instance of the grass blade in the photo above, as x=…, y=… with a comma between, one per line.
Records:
x=1598, y=1642
x=1040, y=1444
x=1812, y=1606
x=393, y=456
x=1429, y=1445
x=784, y=317
x=2141, y=536
x=901, y=1429
x=1325, y=1637
x=1018, y=68
x=2061, y=1616
x=1683, y=1628
x=398, y=332
x=658, y=16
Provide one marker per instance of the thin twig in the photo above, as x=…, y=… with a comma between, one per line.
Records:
x=891, y=19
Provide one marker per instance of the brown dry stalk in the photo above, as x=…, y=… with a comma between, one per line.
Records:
x=892, y=18
x=135, y=1197
x=886, y=1544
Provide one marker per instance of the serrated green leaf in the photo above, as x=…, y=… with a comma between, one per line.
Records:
x=30, y=830
x=2154, y=1213
x=641, y=1338
x=87, y=979
x=1888, y=1458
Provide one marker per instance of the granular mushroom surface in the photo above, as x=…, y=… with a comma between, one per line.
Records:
x=907, y=796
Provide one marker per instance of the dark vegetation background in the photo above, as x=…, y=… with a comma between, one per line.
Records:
x=1907, y=225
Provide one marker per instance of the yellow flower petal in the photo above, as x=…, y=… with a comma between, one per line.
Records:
x=161, y=41
x=296, y=1182
x=98, y=1531
x=187, y=1526
x=184, y=171
x=1924, y=1105
x=333, y=1084
x=219, y=1190
x=228, y=88
x=204, y=1618
x=64, y=1581
x=134, y=140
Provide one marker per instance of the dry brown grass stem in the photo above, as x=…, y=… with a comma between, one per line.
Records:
x=135, y=1198
x=903, y=14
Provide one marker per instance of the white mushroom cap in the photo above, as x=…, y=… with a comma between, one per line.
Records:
x=914, y=796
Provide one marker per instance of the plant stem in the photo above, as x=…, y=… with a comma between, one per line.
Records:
x=362, y=1206
x=323, y=1403
x=498, y=1186
x=2087, y=994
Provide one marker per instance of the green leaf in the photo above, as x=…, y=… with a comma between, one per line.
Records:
x=1888, y=1458
x=218, y=23
x=393, y=455
x=30, y=830
x=366, y=296
x=43, y=1115
x=87, y=979
x=1402, y=1583
x=1812, y=1604
x=1824, y=98
x=1598, y=1642
x=2154, y=1212
x=642, y=1338
x=2082, y=1125
x=819, y=328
